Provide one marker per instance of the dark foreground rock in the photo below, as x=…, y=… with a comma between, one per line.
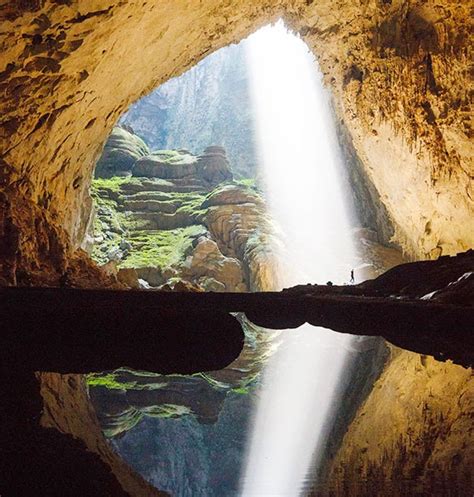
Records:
x=177, y=326
x=431, y=313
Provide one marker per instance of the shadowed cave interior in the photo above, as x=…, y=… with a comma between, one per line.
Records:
x=147, y=257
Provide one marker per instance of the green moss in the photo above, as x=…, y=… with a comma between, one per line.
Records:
x=166, y=411
x=247, y=182
x=162, y=248
x=112, y=381
x=149, y=247
x=112, y=184
x=174, y=157
x=190, y=203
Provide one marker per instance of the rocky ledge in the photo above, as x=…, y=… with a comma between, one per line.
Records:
x=409, y=314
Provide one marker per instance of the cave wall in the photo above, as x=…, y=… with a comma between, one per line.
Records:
x=413, y=435
x=398, y=71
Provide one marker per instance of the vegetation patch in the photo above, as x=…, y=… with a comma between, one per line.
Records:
x=166, y=411
x=174, y=157
x=113, y=381
x=161, y=248
x=249, y=183
x=241, y=390
x=112, y=184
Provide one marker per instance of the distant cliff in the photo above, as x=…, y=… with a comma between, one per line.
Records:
x=209, y=104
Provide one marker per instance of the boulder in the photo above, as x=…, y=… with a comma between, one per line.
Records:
x=128, y=276
x=121, y=151
x=207, y=261
x=178, y=166
x=166, y=164
x=232, y=195
x=214, y=166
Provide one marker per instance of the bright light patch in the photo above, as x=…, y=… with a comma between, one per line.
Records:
x=298, y=156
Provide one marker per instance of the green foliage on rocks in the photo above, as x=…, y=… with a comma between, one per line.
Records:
x=248, y=183
x=125, y=229
x=112, y=184
x=120, y=153
x=161, y=248
x=174, y=157
x=241, y=390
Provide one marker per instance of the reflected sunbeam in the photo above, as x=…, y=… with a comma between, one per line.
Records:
x=298, y=152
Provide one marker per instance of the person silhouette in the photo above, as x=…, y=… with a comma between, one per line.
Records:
x=352, y=276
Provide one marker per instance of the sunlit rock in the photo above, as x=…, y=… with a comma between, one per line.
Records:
x=122, y=150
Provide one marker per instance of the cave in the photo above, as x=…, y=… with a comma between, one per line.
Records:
x=84, y=326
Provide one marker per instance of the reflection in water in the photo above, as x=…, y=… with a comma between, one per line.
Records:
x=299, y=159
x=227, y=433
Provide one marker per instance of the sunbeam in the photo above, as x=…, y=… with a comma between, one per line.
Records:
x=298, y=153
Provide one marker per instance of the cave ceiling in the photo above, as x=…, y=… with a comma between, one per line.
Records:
x=398, y=72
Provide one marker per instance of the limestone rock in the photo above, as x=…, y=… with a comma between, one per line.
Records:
x=214, y=166
x=232, y=194
x=399, y=73
x=172, y=115
x=129, y=277
x=120, y=153
x=207, y=261
x=183, y=168
x=166, y=164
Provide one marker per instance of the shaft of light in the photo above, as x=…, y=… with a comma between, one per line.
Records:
x=298, y=153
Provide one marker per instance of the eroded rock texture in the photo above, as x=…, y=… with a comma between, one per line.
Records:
x=398, y=72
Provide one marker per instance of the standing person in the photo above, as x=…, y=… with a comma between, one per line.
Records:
x=352, y=276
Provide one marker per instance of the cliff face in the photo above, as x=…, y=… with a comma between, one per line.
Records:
x=210, y=103
x=398, y=75
x=173, y=216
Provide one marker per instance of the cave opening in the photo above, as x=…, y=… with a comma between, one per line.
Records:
x=264, y=200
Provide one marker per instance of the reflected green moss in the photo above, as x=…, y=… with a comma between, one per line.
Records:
x=108, y=380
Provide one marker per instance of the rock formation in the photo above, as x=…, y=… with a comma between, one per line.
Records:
x=179, y=221
x=210, y=103
x=120, y=153
x=178, y=216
